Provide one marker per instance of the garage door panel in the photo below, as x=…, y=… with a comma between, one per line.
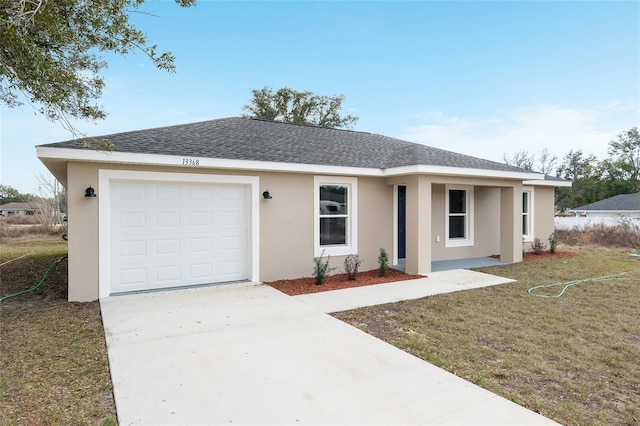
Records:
x=167, y=219
x=133, y=220
x=201, y=246
x=167, y=247
x=132, y=249
x=200, y=218
x=167, y=192
x=132, y=191
x=133, y=277
x=167, y=235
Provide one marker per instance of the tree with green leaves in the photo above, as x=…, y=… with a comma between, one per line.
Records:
x=291, y=106
x=9, y=194
x=584, y=173
x=50, y=52
x=624, y=160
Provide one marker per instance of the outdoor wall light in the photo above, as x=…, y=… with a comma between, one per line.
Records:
x=266, y=195
x=89, y=192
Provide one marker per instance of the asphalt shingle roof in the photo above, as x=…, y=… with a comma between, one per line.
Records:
x=619, y=202
x=260, y=140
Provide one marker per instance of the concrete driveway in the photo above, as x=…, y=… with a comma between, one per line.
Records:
x=252, y=355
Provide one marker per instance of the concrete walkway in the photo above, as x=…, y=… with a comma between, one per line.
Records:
x=436, y=283
x=252, y=355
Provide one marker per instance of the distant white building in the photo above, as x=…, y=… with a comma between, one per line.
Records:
x=9, y=209
x=618, y=206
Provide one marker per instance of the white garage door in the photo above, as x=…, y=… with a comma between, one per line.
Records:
x=177, y=234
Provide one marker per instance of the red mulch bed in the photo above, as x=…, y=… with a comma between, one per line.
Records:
x=336, y=282
x=299, y=286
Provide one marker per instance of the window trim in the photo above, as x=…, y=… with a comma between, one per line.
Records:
x=469, y=217
x=530, y=236
x=351, y=247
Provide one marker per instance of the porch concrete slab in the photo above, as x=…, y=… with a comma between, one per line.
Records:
x=378, y=294
x=252, y=355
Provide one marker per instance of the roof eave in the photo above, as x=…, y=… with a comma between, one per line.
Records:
x=53, y=155
x=554, y=183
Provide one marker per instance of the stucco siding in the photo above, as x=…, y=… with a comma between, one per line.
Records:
x=486, y=224
x=286, y=223
x=286, y=226
x=82, y=213
x=375, y=221
x=543, y=207
x=487, y=221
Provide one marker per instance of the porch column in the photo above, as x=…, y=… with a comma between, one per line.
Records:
x=418, y=252
x=511, y=224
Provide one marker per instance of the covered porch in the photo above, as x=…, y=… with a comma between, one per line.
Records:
x=454, y=222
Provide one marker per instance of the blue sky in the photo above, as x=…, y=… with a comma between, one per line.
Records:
x=481, y=78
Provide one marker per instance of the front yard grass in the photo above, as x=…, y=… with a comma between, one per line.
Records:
x=574, y=359
x=53, y=359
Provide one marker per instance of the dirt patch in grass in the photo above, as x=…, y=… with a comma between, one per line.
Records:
x=573, y=359
x=298, y=286
x=53, y=364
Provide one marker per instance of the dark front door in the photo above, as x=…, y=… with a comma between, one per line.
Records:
x=402, y=221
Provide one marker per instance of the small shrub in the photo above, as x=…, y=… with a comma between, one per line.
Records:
x=321, y=269
x=383, y=262
x=351, y=265
x=538, y=246
x=553, y=243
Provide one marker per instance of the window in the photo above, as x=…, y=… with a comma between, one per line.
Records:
x=335, y=213
x=527, y=215
x=459, y=208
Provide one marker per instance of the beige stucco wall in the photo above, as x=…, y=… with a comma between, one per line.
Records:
x=486, y=226
x=286, y=223
x=82, y=227
x=543, y=211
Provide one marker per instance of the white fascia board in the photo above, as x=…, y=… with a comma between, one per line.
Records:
x=554, y=183
x=461, y=171
x=70, y=154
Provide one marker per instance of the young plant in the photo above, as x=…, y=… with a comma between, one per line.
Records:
x=351, y=265
x=383, y=262
x=321, y=269
x=538, y=246
x=553, y=243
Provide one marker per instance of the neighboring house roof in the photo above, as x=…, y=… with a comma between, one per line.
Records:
x=14, y=206
x=621, y=202
x=260, y=140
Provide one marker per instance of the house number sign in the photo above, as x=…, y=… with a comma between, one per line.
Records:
x=190, y=162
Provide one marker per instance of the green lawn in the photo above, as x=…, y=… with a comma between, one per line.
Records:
x=574, y=359
x=53, y=363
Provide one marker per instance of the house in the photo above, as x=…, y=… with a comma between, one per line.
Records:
x=238, y=199
x=9, y=209
x=618, y=206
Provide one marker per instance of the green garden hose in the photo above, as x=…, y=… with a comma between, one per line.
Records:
x=44, y=277
x=572, y=283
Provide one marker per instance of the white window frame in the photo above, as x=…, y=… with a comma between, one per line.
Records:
x=351, y=246
x=469, y=217
x=530, y=218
